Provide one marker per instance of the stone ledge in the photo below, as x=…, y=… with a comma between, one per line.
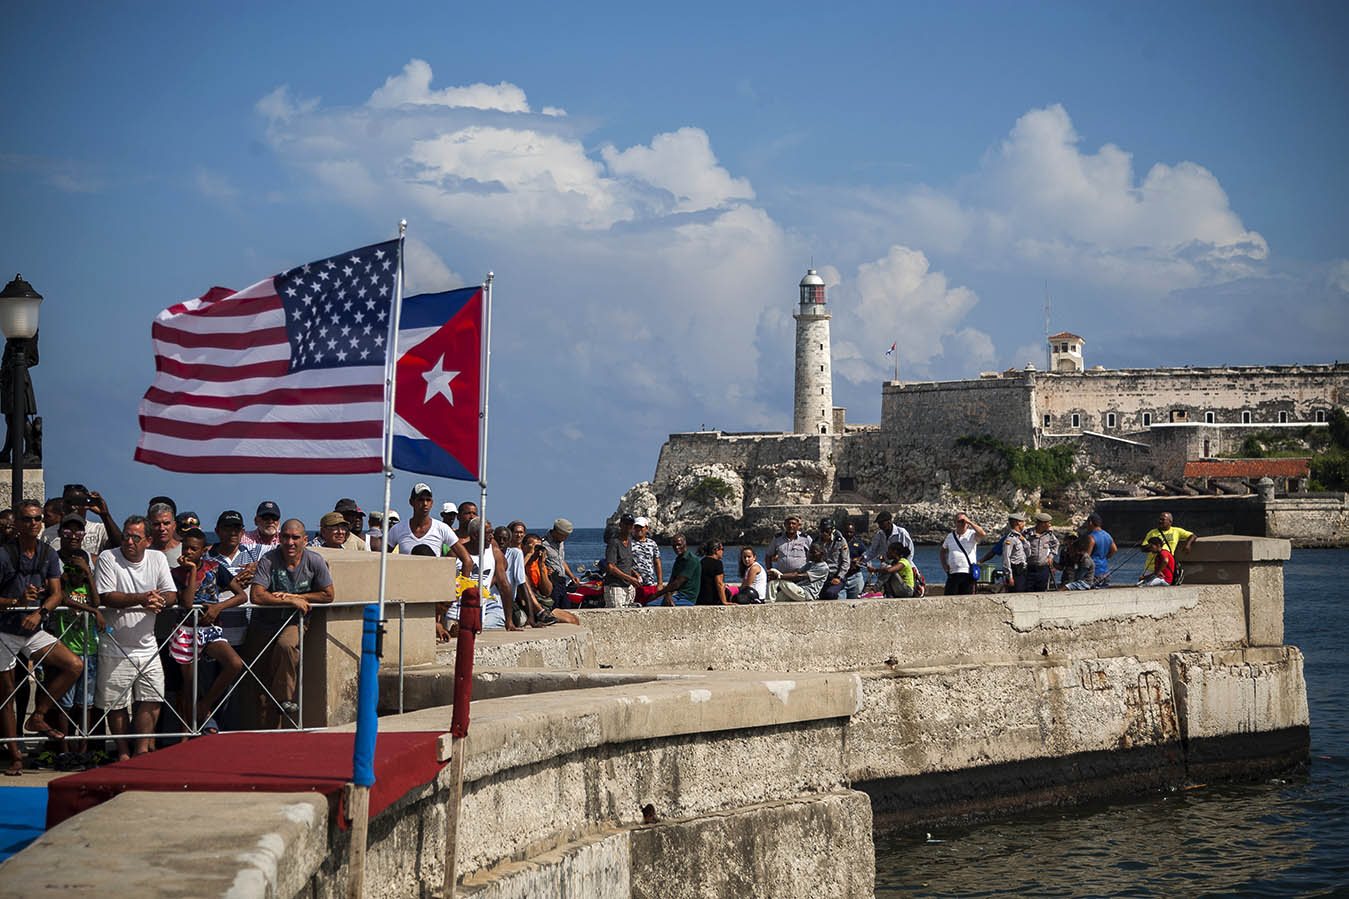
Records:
x=1235, y=548
x=242, y=845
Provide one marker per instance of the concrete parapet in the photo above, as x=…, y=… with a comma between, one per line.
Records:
x=854, y=635
x=1253, y=563
x=242, y=845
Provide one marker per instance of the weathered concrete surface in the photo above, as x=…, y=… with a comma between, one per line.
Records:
x=597, y=867
x=919, y=721
x=247, y=845
x=762, y=851
x=1253, y=563
x=1239, y=691
x=559, y=646
x=433, y=685
x=861, y=634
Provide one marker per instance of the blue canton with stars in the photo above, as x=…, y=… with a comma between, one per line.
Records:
x=337, y=309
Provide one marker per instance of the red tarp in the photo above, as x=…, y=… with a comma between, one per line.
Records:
x=279, y=762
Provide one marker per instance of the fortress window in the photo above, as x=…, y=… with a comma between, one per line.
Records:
x=821, y=391
x=1206, y=449
x=1110, y=419
x=1320, y=414
x=1147, y=419
x=1208, y=419
x=1077, y=420
x=823, y=430
x=821, y=346
x=1046, y=424
x=821, y=369
x=1283, y=418
x=1245, y=418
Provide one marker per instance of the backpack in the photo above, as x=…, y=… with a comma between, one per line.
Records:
x=919, y=582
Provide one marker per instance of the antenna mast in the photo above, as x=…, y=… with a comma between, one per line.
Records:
x=1048, y=361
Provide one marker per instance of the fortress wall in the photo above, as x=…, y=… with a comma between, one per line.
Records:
x=739, y=451
x=1129, y=393
x=940, y=411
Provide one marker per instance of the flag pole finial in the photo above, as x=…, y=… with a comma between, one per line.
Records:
x=402, y=227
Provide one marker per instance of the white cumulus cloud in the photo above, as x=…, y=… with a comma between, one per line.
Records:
x=682, y=163
x=413, y=88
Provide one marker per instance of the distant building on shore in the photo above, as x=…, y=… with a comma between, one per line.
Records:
x=1145, y=421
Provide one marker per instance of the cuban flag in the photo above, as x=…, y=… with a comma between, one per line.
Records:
x=892, y=348
x=438, y=378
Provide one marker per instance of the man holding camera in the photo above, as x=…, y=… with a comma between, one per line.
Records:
x=76, y=499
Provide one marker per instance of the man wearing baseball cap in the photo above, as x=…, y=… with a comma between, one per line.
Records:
x=447, y=513
x=422, y=529
x=355, y=519
x=333, y=532
x=240, y=561
x=555, y=558
x=645, y=560
x=267, y=526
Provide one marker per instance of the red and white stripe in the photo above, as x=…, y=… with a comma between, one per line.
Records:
x=223, y=401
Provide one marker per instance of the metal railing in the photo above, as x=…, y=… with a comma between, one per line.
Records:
x=193, y=725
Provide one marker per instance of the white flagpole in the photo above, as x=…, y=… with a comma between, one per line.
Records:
x=484, y=538
x=390, y=370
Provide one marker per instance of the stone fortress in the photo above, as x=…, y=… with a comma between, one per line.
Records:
x=1128, y=425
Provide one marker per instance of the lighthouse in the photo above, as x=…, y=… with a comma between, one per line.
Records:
x=814, y=404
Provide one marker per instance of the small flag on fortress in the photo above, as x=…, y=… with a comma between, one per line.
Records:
x=436, y=426
x=892, y=348
x=284, y=377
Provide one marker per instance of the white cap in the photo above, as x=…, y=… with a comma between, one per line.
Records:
x=447, y=507
x=640, y=522
x=393, y=515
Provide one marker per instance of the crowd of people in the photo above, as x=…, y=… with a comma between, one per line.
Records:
x=122, y=620
x=833, y=562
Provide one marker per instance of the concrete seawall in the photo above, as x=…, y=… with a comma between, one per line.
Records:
x=752, y=750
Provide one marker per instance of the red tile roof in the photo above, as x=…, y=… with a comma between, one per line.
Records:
x=1248, y=468
x=1067, y=334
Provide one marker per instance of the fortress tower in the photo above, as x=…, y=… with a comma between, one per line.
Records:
x=1065, y=352
x=814, y=404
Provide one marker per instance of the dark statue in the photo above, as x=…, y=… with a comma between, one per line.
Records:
x=31, y=445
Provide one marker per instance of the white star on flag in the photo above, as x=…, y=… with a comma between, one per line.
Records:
x=438, y=381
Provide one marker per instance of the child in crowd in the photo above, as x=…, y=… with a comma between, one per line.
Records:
x=79, y=629
x=897, y=574
x=199, y=582
x=753, y=579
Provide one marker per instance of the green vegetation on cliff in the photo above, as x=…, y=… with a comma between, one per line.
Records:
x=1328, y=448
x=1047, y=469
x=710, y=491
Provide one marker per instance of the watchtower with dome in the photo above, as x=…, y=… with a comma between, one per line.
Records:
x=813, y=410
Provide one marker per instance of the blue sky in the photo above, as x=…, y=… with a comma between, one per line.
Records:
x=649, y=186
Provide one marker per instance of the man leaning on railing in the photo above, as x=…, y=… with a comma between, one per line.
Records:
x=290, y=578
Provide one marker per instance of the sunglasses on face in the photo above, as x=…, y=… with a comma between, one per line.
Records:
x=30, y=518
x=72, y=532
x=133, y=538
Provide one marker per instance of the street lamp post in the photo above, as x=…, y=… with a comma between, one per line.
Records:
x=18, y=322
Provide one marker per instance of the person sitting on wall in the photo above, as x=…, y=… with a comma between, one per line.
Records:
x=856, y=581
x=1173, y=538
x=896, y=575
x=887, y=532
x=686, y=576
x=712, y=590
x=807, y=587
x=836, y=556
x=1163, y=570
x=1078, y=569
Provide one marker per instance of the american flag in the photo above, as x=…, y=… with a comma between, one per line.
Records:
x=286, y=376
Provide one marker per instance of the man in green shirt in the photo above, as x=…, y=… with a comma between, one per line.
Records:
x=685, y=576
